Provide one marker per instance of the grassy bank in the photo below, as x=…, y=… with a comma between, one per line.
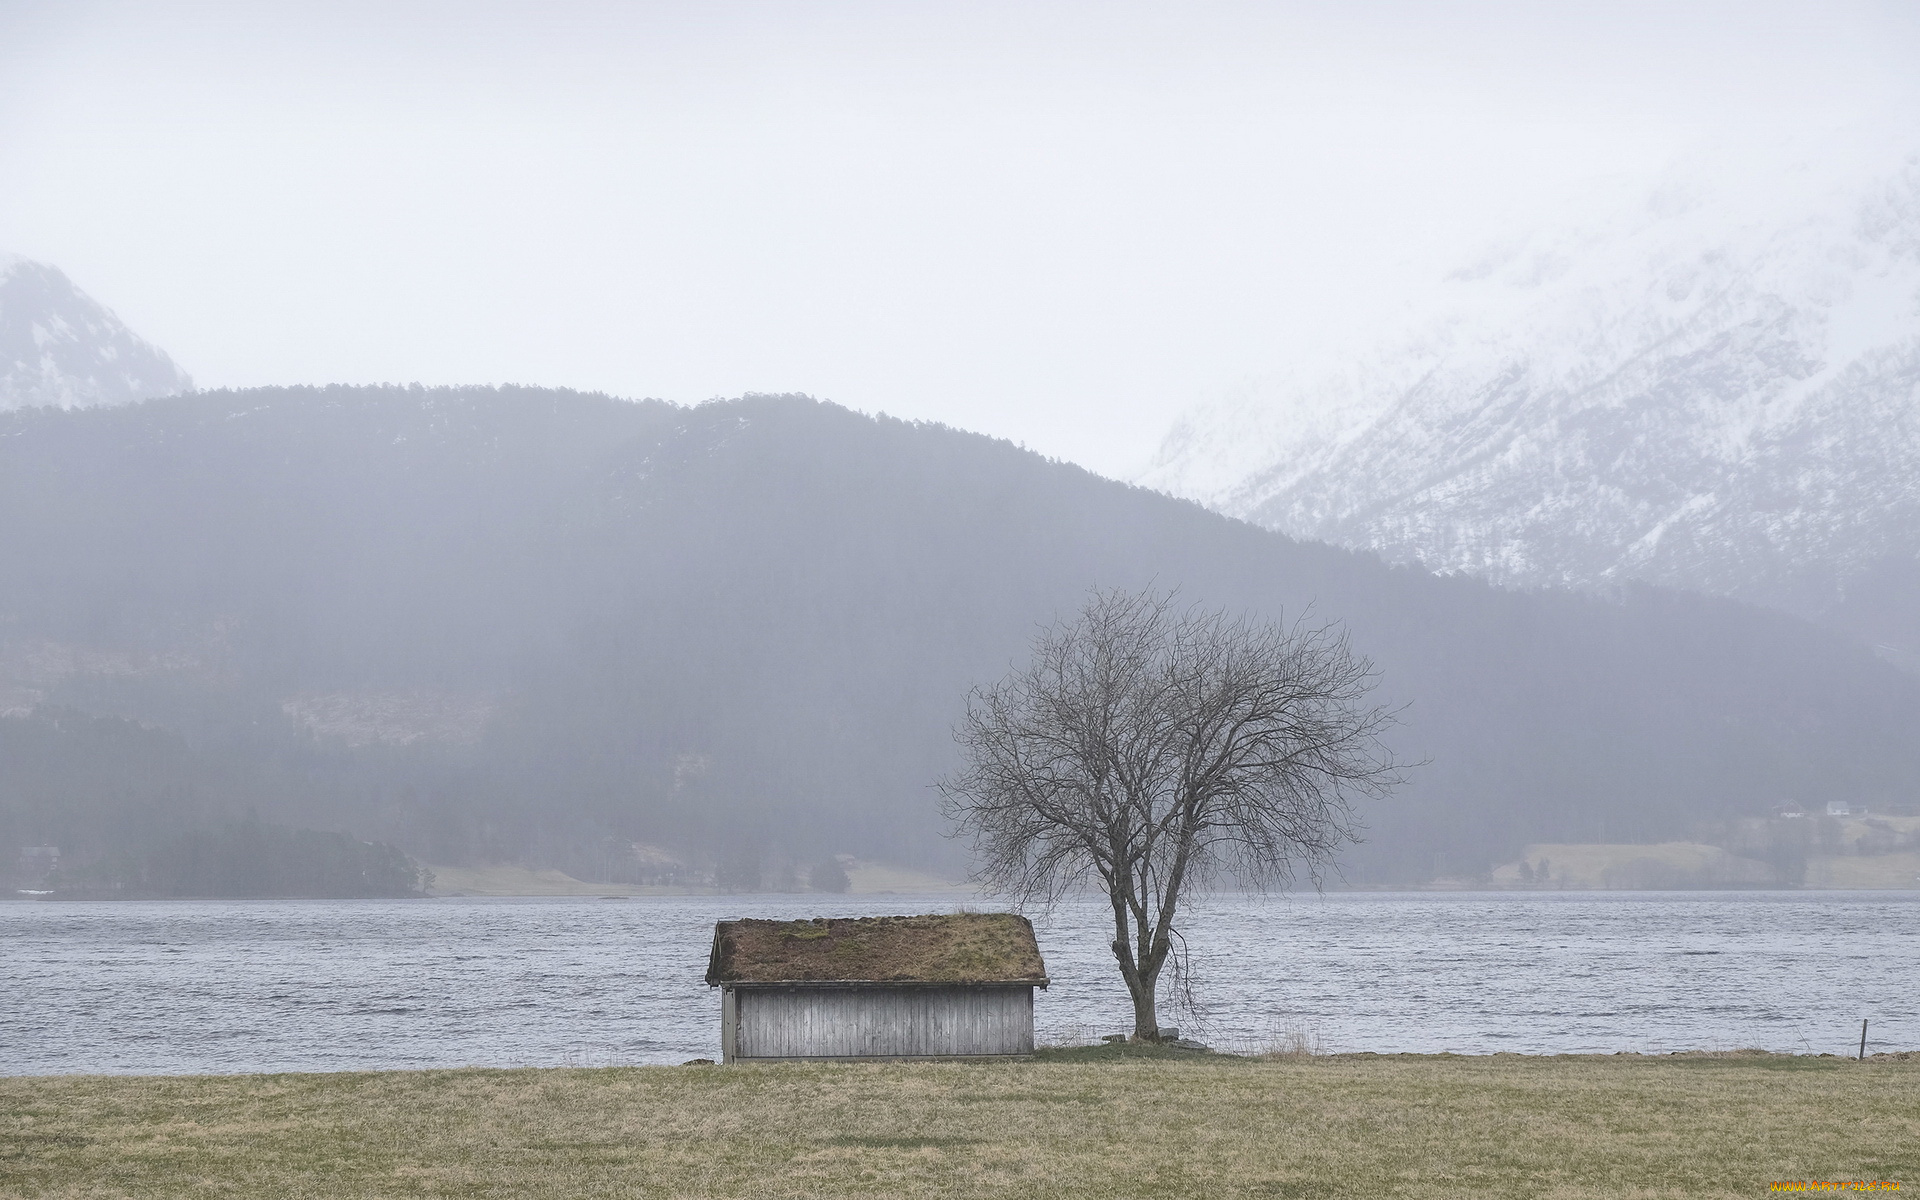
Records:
x=1087, y=1123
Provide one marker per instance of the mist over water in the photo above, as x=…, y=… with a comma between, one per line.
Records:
x=633, y=438
x=360, y=985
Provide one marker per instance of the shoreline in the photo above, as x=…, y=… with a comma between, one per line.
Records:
x=958, y=894
x=1065, y=1055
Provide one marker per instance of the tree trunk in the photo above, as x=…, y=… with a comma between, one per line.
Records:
x=1140, y=988
x=1133, y=970
x=1146, y=1026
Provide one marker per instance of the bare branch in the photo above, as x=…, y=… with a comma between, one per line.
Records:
x=1153, y=749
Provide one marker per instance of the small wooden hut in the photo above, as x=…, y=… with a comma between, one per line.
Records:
x=948, y=986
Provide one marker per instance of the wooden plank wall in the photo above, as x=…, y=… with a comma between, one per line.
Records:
x=881, y=1022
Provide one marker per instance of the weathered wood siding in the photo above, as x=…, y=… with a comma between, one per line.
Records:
x=878, y=1022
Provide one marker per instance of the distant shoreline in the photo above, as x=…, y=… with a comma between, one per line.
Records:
x=960, y=894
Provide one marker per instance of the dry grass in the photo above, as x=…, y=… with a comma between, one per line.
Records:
x=1864, y=871
x=879, y=879
x=1091, y=1123
x=522, y=881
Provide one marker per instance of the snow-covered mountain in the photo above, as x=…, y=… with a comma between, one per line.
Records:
x=1719, y=390
x=59, y=347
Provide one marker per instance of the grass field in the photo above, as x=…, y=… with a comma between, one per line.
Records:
x=1077, y=1123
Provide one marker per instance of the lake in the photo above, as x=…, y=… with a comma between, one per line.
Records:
x=239, y=986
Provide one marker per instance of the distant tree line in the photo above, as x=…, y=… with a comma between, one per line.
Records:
x=247, y=857
x=100, y=807
x=742, y=632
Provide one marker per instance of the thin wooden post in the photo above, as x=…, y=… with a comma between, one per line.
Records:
x=1863, y=1040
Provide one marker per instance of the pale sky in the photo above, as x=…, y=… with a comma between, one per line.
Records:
x=1057, y=223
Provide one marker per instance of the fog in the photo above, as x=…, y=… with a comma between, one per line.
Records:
x=648, y=645
x=1378, y=526
x=412, y=579
x=1060, y=224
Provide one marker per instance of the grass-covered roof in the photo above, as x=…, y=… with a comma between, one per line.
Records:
x=950, y=948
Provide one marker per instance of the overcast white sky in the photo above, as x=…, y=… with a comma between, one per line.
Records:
x=1059, y=223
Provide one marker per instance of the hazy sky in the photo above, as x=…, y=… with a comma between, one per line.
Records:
x=1060, y=223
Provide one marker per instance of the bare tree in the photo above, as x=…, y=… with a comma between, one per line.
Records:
x=1152, y=748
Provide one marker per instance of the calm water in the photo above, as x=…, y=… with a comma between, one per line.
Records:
x=326, y=986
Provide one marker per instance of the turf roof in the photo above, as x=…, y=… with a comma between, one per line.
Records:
x=951, y=948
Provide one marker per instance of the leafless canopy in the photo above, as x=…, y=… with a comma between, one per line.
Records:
x=1151, y=747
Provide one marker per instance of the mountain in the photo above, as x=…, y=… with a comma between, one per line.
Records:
x=1719, y=390
x=572, y=631
x=59, y=347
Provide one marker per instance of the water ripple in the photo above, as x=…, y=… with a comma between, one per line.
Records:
x=325, y=986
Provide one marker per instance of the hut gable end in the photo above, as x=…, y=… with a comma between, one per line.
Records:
x=957, y=948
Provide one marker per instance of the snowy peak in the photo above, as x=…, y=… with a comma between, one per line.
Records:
x=1717, y=389
x=60, y=348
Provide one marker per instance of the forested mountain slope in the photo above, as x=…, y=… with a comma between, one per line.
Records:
x=539, y=626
